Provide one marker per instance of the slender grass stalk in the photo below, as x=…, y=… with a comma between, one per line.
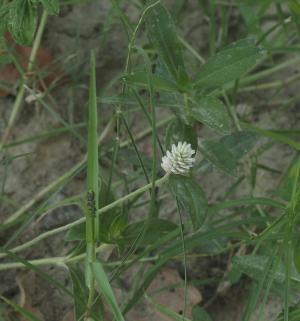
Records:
x=76, y=168
x=184, y=259
x=92, y=218
x=104, y=209
x=20, y=96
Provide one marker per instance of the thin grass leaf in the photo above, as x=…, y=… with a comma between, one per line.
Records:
x=25, y=313
x=106, y=290
x=278, y=137
x=246, y=201
x=37, y=270
x=92, y=218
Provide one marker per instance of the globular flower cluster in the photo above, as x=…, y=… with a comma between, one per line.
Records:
x=179, y=160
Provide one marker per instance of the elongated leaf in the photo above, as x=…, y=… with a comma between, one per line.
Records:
x=148, y=277
x=240, y=143
x=92, y=163
x=23, y=21
x=80, y=291
x=4, y=18
x=212, y=112
x=92, y=218
x=190, y=197
x=297, y=254
x=276, y=136
x=294, y=314
x=220, y=156
x=81, y=294
x=255, y=265
x=286, y=185
x=106, y=290
x=162, y=34
x=25, y=313
x=107, y=224
x=140, y=78
x=245, y=202
x=52, y=6
x=294, y=6
x=177, y=131
x=229, y=64
x=155, y=229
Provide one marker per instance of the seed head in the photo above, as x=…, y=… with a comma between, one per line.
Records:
x=179, y=160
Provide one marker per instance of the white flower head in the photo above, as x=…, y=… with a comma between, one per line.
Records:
x=179, y=160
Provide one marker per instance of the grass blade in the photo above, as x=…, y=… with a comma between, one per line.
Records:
x=106, y=289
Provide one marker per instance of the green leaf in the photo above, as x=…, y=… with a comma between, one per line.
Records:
x=154, y=229
x=229, y=64
x=52, y=6
x=175, y=102
x=212, y=112
x=199, y=314
x=190, y=197
x=111, y=223
x=285, y=188
x=297, y=254
x=177, y=131
x=279, y=137
x=239, y=143
x=80, y=291
x=25, y=313
x=4, y=18
x=220, y=156
x=23, y=21
x=106, y=290
x=5, y=58
x=81, y=294
x=140, y=78
x=255, y=266
x=294, y=314
x=294, y=6
x=76, y=233
x=162, y=34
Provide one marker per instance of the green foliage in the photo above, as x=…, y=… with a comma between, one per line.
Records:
x=148, y=231
x=80, y=294
x=258, y=266
x=297, y=254
x=190, y=198
x=216, y=153
x=211, y=112
x=52, y=6
x=162, y=34
x=20, y=18
x=23, y=21
x=229, y=64
x=294, y=6
x=177, y=131
x=168, y=88
x=106, y=290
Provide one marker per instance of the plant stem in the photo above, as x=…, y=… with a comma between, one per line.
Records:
x=104, y=209
x=72, y=172
x=20, y=96
x=76, y=168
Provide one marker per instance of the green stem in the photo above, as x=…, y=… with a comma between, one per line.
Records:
x=36, y=198
x=20, y=96
x=104, y=209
